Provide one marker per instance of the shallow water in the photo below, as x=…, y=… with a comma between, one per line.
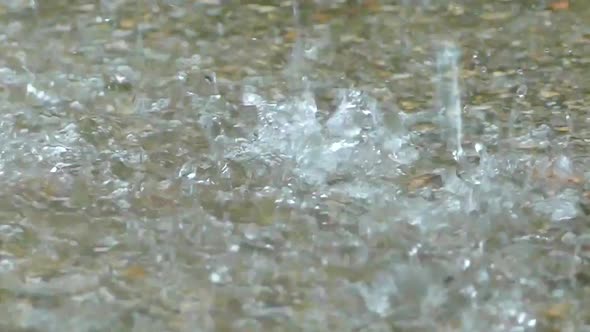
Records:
x=215, y=166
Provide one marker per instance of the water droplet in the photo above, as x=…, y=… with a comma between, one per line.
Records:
x=466, y=264
x=532, y=323
x=6, y=265
x=215, y=278
x=521, y=91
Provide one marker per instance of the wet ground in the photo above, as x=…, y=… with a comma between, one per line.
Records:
x=215, y=166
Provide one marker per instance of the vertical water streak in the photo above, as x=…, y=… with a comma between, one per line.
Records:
x=570, y=126
x=449, y=96
x=516, y=108
x=139, y=98
x=296, y=64
x=139, y=34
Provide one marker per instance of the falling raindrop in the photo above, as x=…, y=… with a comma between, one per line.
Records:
x=449, y=96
